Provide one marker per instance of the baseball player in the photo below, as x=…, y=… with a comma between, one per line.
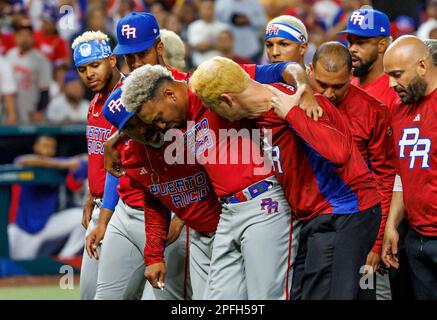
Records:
x=286, y=39
x=369, y=121
x=368, y=34
x=324, y=177
x=121, y=271
x=97, y=69
x=255, y=216
x=408, y=63
x=183, y=189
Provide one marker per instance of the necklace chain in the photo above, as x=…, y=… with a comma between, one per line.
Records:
x=154, y=177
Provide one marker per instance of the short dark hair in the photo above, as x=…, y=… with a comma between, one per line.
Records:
x=22, y=24
x=333, y=55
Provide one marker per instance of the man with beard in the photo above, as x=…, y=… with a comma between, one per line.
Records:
x=97, y=69
x=368, y=34
x=408, y=63
x=184, y=189
x=255, y=216
x=121, y=261
x=369, y=121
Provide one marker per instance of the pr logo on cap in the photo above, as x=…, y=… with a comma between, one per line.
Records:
x=85, y=50
x=272, y=30
x=128, y=31
x=115, y=105
x=363, y=19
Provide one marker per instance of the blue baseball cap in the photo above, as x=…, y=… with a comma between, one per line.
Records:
x=70, y=75
x=136, y=32
x=367, y=23
x=115, y=112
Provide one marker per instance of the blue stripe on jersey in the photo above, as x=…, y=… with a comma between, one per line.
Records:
x=333, y=188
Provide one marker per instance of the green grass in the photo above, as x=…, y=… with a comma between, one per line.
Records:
x=39, y=293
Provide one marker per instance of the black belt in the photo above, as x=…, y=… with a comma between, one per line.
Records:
x=134, y=207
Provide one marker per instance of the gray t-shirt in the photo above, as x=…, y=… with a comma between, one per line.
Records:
x=33, y=73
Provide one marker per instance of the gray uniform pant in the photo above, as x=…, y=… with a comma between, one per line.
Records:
x=200, y=260
x=254, y=248
x=121, y=265
x=89, y=268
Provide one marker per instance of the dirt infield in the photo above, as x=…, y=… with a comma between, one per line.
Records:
x=32, y=281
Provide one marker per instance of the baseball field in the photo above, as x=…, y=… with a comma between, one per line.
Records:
x=36, y=288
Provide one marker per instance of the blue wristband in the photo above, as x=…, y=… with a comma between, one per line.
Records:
x=110, y=195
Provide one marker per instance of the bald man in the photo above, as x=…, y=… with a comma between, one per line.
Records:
x=408, y=63
x=368, y=119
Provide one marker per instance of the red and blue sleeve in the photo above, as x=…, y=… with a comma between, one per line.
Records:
x=268, y=73
x=157, y=221
x=328, y=136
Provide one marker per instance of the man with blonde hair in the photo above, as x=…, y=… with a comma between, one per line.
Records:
x=323, y=175
x=255, y=216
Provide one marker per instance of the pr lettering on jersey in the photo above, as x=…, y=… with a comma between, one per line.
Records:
x=184, y=191
x=418, y=147
x=199, y=138
x=96, y=137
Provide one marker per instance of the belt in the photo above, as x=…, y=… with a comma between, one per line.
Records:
x=135, y=207
x=208, y=235
x=249, y=193
x=98, y=202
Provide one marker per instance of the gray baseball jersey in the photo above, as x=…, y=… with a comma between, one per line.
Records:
x=33, y=73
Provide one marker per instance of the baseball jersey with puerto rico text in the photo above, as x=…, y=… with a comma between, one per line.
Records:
x=182, y=188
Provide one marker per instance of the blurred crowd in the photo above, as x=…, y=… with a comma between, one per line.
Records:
x=38, y=84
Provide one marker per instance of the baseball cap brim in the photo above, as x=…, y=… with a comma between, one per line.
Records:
x=133, y=48
x=124, y=121
x=357, y=33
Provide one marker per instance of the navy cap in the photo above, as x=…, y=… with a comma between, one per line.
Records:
x=70, y=75
x=115, y=112
x=136, y=32
x=367, y=23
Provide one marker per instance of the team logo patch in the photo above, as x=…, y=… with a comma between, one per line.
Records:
x=269, y=205
x=85, y=50
x=128, y=31
x=272, y=30
x=357, y=17
x=115, y=105
x=389, y=131
x=413, y=146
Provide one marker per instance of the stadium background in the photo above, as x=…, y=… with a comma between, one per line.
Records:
x=25, y=279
